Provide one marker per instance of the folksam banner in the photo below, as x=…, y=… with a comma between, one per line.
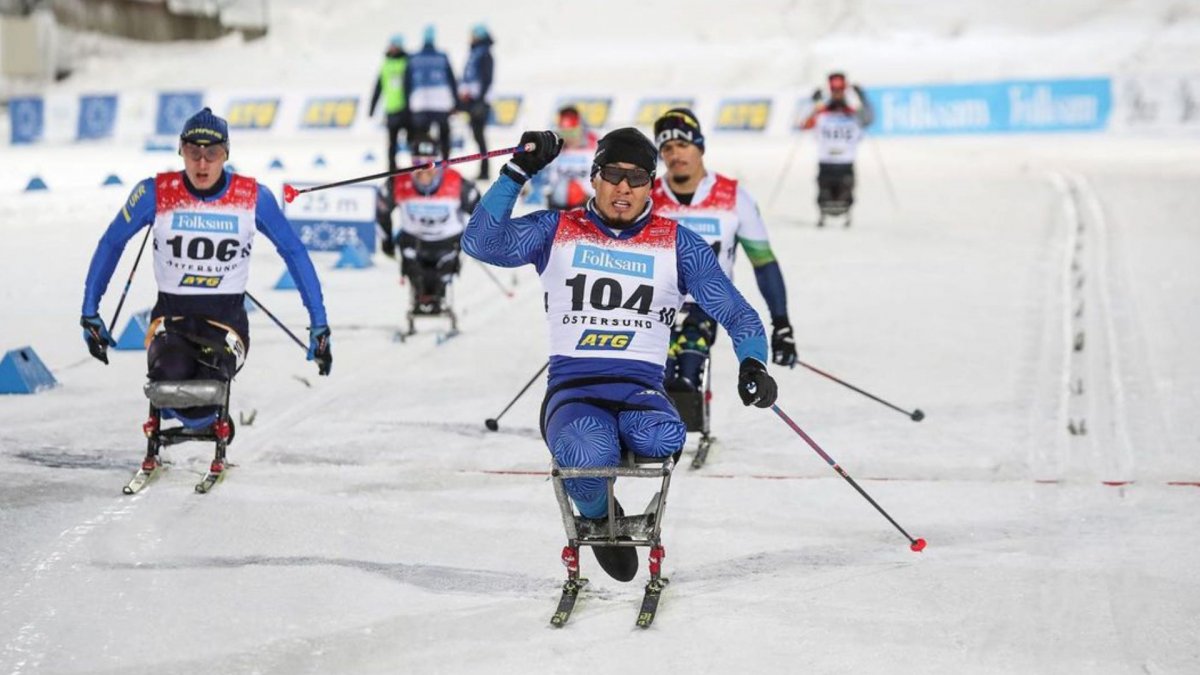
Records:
x=1012, y=106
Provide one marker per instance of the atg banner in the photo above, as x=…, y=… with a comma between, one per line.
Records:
x=993, y=107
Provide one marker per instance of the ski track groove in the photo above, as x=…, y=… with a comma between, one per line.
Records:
x=25, y=648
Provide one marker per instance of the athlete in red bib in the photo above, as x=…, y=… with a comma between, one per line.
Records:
x=203, y=221
x=839, y=129
x=614, y=275
x=431, y=207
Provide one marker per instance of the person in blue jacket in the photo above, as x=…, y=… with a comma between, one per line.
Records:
x=431, y=91
x=476, y=87
x=614, y=273
x=203, y=221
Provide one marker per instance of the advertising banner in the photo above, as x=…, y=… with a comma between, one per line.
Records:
x=992, y=107
x=331, y=219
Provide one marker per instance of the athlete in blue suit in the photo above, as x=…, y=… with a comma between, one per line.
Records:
x=614, y=275
x=203, y=220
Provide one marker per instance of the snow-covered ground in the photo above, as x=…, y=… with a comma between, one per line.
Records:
x=372, y=525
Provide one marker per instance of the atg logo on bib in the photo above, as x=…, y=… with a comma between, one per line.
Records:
x=200, y=281
x=621, y=262
x=701, y=226
x=204, y=222
x=600, y=339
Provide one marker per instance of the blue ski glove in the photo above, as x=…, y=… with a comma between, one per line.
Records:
x=755, y=386
x=96, y=335
x=320, y=349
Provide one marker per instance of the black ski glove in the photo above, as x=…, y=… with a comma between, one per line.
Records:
x=755, y=386
x=817, y=95
x=97, y=337
x=548, y=145
x=783, y=344
x=320, y=349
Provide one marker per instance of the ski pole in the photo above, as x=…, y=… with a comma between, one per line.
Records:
x=129, y=281
x=277, y=321
x=499, y=284
x=787, y=166
x=883, y=170
x=493, y=423
x=916, y=415
x=290, y=193
x=914, y=544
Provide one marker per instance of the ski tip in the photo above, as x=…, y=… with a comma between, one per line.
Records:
x=918, y=545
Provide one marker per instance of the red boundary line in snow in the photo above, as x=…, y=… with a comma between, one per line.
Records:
x=761, y=476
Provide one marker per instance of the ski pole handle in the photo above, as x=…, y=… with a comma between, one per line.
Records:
x=290, y=192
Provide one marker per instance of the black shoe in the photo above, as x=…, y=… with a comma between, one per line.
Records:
x=681, y=384
x=619, y=562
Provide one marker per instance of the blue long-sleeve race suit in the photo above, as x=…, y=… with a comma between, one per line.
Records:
x=594, y=406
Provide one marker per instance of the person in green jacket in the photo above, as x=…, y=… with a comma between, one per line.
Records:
x=390, y=87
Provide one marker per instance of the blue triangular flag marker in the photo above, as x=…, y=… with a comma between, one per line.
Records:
x=133, y=338
x=286, y=282
x=35, y=183
x=369, y=157
x=112, y=179
x=276, y=163
x=22, y=372
x=354, y=256
x=319, y=161
x=249, y=305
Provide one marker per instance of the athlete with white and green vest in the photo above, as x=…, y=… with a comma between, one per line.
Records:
x=725, y=216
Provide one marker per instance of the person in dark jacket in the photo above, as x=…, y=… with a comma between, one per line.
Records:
x=390, y=87
x=475, y=87
x=431, y=91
